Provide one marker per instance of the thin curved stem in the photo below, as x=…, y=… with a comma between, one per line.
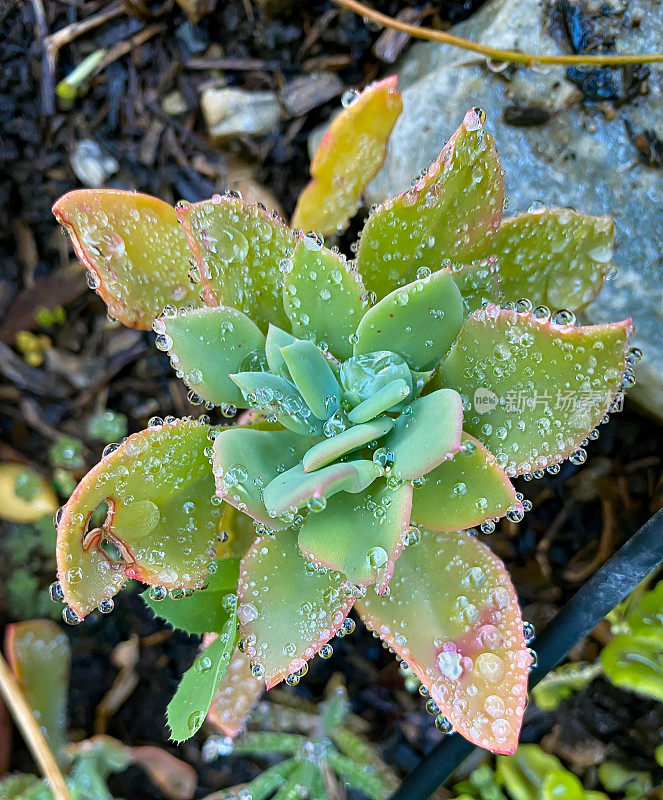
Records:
x=34, y=738
x=496, y=53
x=617, y=578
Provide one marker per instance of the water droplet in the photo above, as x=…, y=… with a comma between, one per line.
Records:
x=106, y=606
x=56, y=593
x=348, y=97
x=70, y=616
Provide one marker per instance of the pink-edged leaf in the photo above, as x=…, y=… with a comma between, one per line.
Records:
x=134, y=249
x=350, y=154
x=238, y=250
x=295, y=488
x=174, y=778
x=533, y=390
x=35, y=649
x=426, y=434
x=453, y=617
x=360, y=535
x=465, y=491
x=287, y=610
x=236, y=696
x=246, y=460
x=554, y=257
x=162, y=517
x=451, y=211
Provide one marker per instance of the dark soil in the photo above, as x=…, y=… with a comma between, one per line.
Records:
x=580, y=517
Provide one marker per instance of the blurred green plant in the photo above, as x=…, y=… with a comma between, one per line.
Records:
x=39, y=648
x=632, y=659
x=327, y=755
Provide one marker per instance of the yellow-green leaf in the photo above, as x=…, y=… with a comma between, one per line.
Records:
x=134, y=249
x=350, y=154
x=453, y=210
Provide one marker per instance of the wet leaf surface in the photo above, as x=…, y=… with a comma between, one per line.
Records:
x=134, y=249
x=453, y=617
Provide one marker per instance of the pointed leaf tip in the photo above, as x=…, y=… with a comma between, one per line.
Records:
x=453, y=617
x=453, y=209
x=350, y=154
x=287, y=611
x=236, y=696
x=134, y=249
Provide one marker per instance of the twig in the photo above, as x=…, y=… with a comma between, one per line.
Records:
x=34, y=738
x=47, y=65
x=60, y=38
x=496, y=53
x=127, y=45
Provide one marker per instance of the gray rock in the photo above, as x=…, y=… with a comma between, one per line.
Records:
x=579, y=158
x=229, y=112
x=93, y=166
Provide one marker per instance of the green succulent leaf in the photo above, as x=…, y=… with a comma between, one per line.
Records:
x=388, y=398
x=277, y=396
x=162, y=517
x=324, y=298
x=247, y=459
x=238, y=250
x=296, y=488
x=236, y=696
x=276, y=339
x=35, y=649
x=418, y=321
x=345, y=442
x=362, y=377
x=533, y=390
x=238, y=531
x=134, y=249
x=427, y=433
x=465, y=491
x=632, y=659
x=360, y=535
x=478, y=283
x=350, y=154
x=553, y=257
x=207, y=345
x=312, y=375
x=453, y=617
x=360, y=776
x=290, y=609
x=188, y=708
x=453, y=210
x=204, y=611
x=562, y=683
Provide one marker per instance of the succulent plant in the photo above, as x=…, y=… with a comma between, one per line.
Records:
x=630, y=660
x=37, y=647
x=323, y=749
x=390, y=401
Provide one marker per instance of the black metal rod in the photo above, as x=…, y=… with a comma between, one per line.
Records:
x=609, y=585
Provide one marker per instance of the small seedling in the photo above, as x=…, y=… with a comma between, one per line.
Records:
x=327, y=754
x=390, y=401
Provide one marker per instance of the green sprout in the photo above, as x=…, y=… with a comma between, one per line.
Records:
x=388, y=402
